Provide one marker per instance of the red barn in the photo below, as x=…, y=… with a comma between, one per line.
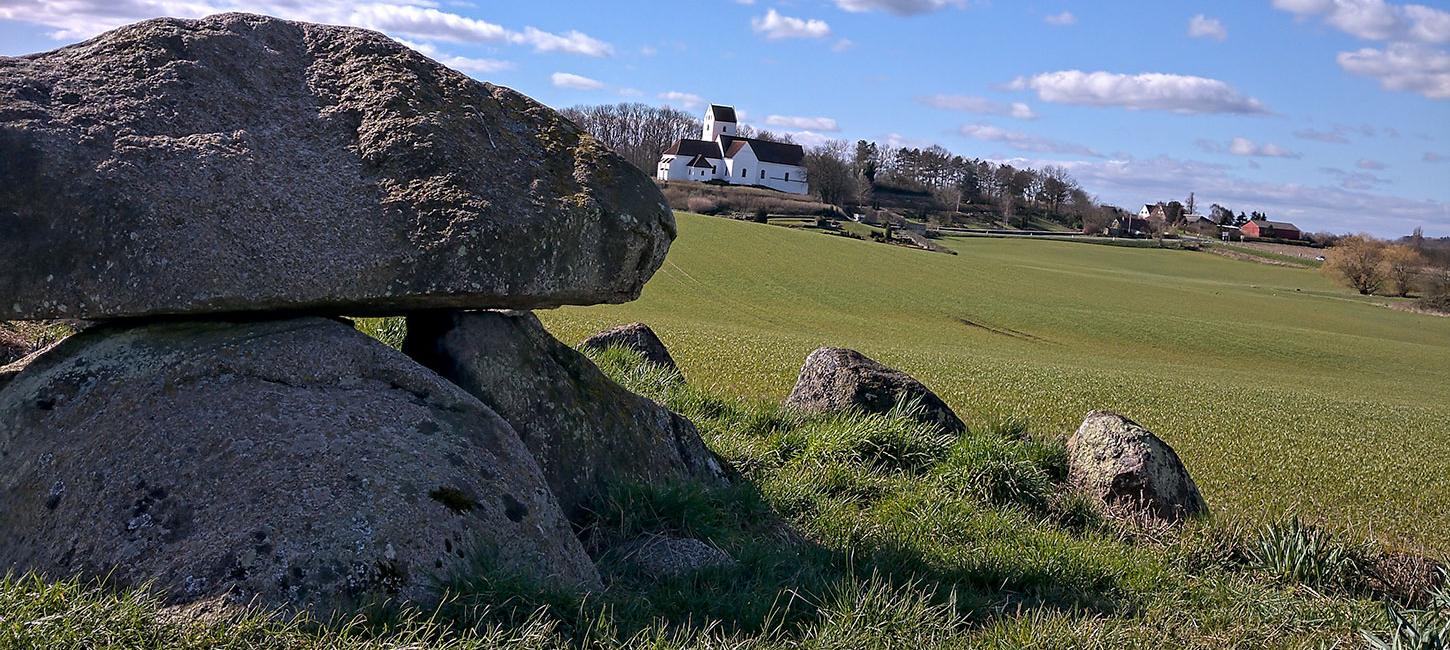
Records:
x=1260, y=228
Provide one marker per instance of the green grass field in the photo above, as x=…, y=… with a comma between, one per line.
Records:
x=1281, y=392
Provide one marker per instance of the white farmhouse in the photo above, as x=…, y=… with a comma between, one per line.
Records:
x=721, y=155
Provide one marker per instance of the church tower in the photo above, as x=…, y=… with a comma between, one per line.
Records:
x=719, y=120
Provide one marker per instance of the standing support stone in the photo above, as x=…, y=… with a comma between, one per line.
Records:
x=297, y=461
x=585, y=430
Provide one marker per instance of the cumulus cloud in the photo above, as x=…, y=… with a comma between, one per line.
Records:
x=459, y=63
x=1339, y=133
x=809, y=138
x=1024, y=141
x=775, y=26
x=687, y=100
x=1201, y=26
x=803, y=123
x=980, y=105
x=1406, y=67
x=1332, y=137
x=1241, y=146
x=899, y=7
x=1376, y=20
x=1355, y=180
x=1151, y=91
x=574, y=82
x=1408, y=62
x=418, y=19
x=1061, y=20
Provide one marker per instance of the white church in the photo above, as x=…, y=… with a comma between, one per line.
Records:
x=724, y=156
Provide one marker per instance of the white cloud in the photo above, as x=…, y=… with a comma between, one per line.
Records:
x=630, y=92
x=687, y=100
x=1372, y=165
x=1241, y=146
x=979, y=105
x=899, y=7
x=76, y=19
x=1201, y=26
x=459, y=63
x=1355, y=180
x=803, y=123
x=648, y=50
x=1061, y=20
x=1376, y=20
x=1406, y=63
x=843, y=45
x=1023, y=141
x=1339, y=133
x=899, y=141
x=774, y=26
x=1150, y=91
x=1333, y=137
x=1403, y=66
x=574, y=82
x=809, y=138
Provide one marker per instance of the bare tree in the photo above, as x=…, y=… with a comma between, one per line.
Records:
x=830, y=173
x=1402, y=264
x=1358, y=262
x=639, y=132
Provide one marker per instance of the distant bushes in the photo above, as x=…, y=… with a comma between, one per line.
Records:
x=755, y=203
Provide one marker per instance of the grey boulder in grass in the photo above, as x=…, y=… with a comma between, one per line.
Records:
x=1119, y=463
x=637, y=337
x=243, y=163
x=295, y=461
x=586, y=431
x=838, y=379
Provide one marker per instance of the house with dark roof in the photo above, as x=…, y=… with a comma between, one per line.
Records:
x=1265, y=229
x=722, y=155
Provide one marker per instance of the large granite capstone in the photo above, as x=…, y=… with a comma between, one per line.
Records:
x=244, y=163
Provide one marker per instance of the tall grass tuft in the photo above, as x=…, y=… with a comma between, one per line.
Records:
x=1416, y=629
x=1294, y=551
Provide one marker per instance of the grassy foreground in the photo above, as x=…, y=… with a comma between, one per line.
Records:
x=1282, y=393
x=848, y=531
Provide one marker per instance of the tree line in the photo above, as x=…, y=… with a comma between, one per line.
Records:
x=641, y=132
x=850, y=174
x=846, y=174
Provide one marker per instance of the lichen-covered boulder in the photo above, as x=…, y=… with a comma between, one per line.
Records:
x=838, y=379
x=637, y=337
x=586, y=431
x=1118, y=463
x=296, y=461
x=245, y=163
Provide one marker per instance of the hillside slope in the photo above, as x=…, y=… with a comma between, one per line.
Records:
x=1281, y=392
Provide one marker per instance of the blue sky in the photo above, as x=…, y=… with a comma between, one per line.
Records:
x=1334, y=114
